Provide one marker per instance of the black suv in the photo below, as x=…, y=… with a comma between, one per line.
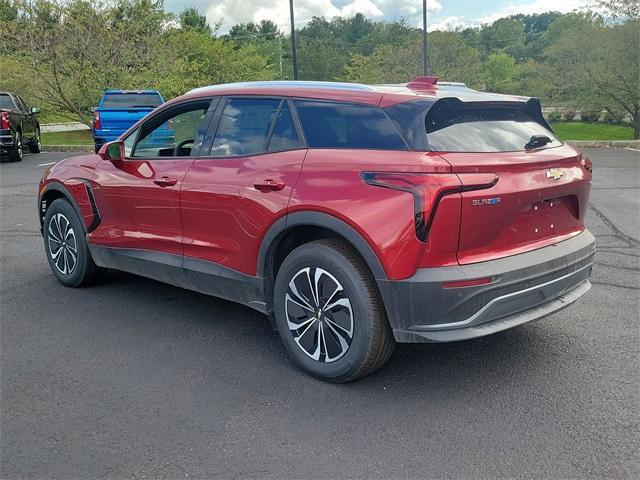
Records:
x=18, y=126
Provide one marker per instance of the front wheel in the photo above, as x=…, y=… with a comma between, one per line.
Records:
x=329, y=312
x=66, y=246
x=36, y=144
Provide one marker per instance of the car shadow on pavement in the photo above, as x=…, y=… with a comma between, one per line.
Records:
x=450, y=368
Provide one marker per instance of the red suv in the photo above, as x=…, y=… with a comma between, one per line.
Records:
x=354, y=216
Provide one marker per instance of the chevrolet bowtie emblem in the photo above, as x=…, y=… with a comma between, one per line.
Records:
x=555, y=173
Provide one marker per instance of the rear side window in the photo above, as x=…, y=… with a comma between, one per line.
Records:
x=343, y=125
x=6, y=102
x=465, y=128
x=131, y=100
x=244, y=126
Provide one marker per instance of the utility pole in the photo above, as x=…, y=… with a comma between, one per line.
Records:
x=425, y=40
x=294, y=56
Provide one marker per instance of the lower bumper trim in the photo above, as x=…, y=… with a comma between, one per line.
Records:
x=488, y=328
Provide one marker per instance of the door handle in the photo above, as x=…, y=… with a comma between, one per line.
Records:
x=269, y=185
x=165, y=181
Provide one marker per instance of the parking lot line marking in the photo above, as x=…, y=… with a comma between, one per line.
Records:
x=46, y=164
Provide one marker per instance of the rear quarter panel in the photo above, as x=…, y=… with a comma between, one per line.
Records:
x=331, y=183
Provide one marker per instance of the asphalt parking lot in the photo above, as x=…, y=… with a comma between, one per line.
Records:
x=133, y=378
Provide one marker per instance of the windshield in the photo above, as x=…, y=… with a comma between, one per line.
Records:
x=131, y=100
x=6, y=102
x=485, y=129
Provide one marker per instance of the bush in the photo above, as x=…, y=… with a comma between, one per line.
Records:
x=554, y=116
x=569, y=114
x=590, y=116
x=611, y=118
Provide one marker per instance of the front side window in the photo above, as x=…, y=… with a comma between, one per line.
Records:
x=172, y=133
x=244, y=126
x=343, y=125
x=284, y=136
x=128, y=143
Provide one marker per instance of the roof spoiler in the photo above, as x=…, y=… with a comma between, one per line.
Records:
x=423, y=83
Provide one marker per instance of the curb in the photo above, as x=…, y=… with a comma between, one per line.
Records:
x=63, y=127
x=604, y=143
x=68, y=148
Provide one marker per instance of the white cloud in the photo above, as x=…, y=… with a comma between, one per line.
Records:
x=449, y=23
x=536, y=6
x=242, y=11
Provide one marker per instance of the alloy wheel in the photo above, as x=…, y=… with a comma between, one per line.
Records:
x=63, y=247
x=319, y=314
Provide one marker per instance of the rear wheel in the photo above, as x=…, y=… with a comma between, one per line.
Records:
x=36, y=144
x=15, y=152
x=329, y=312
x=66, y=246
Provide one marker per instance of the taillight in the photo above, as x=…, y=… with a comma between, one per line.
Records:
x=4, y=120
x=96, y=120
x=428, y=189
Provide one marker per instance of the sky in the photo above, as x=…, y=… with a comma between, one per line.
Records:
x=442, y=14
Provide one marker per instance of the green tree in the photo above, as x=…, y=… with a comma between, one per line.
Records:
x=190, y=18
x=74, y=49
x=266, y=30
x=499, y=73
x=595, y=65
x=622, y=8
x=506, y=35
x=451, y=59
x=199, y=59
x=8, y=11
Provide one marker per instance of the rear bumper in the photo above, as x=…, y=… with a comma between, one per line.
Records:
x=525, y=287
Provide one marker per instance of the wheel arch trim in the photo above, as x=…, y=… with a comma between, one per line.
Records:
x=64, y=191
x=324, y=220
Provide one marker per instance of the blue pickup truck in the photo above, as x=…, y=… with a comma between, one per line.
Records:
x=119, y=109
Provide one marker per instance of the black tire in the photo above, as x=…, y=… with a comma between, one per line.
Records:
x=36, y=145
x=97, y=148
x=15, y=152
x=61, y=222
x=336, y=266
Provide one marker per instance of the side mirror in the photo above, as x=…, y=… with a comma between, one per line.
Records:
x=35, y=110
x=93, y=109
x=112, y=151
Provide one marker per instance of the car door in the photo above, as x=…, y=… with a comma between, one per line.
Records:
x=29, y=121
x=28, y=128
x=138, y=198
x=241, y=185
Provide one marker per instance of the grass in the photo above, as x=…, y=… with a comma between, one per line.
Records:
x=77, y=137
x=592, y=131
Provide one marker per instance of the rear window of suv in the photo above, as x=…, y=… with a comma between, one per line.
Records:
x=6, y=102
x=483, y=129
x=131, y=100
x=346, y=125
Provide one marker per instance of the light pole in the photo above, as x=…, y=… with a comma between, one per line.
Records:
x=294, y=56
x=425, y=40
